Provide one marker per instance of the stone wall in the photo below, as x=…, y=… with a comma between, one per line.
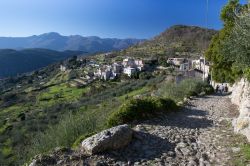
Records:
x=241, y=97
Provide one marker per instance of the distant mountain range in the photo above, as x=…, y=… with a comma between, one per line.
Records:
x=55, y=41
x=14, y=62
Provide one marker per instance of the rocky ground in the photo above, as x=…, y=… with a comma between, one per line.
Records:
x=199, y=134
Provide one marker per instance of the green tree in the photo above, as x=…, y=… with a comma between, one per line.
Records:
x=237, y=46
x=221, y=65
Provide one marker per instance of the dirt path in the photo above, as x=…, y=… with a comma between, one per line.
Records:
x=200, y=134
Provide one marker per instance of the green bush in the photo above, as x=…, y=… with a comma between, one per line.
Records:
x=247, y=73
x=208, y=89
x=145, y=75
x=139, y=109
x=186, y=88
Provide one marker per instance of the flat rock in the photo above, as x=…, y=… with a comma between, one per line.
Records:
x=110, y=139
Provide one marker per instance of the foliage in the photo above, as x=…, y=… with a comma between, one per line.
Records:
x=145, y=75
x=138, y=109
x=247, y=73
x=237, y=46
x=186, y=88
x=229, y=50
x=246, y=151
x=64, y=133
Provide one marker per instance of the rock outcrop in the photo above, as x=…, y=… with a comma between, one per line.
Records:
x=110, y=139
x=241, y=97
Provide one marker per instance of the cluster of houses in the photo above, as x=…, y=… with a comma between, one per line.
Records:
x=191, y=67
x=128, y=66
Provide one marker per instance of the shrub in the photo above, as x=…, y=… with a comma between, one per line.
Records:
x=247, y=73
x=186, y=88
x=139, y=109
x=145, y=75
x=208, y=89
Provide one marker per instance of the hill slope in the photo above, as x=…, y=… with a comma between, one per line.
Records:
x=34, y=106
x=177, y=40
x=55, y=41
x=13, y=62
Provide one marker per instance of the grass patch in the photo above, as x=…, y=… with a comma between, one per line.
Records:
x=246, y=151
x=72, y=128
x=60, y=93
x=134, y=93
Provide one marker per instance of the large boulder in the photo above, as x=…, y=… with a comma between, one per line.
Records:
x=110, y=139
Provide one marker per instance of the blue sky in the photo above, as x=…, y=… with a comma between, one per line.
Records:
x=104, y=18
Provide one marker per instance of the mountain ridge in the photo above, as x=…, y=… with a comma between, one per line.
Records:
x=58, y=42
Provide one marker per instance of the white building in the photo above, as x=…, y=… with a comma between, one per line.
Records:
x=201, y=65
x=129, y=71
x=140, y=65
x=129, y=62
x=104, y=73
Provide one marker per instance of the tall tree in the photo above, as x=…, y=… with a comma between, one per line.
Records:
x=222, y=66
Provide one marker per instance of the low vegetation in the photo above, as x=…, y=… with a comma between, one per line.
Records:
x=139, y=109
x=186, y=88
x=59, y=115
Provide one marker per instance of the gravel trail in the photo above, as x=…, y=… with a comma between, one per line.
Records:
x=200, y=134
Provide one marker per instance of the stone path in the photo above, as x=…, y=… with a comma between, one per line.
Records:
x=200, y=134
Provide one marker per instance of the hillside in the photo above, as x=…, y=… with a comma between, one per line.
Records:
x=55, y=41
x=43, y=110
x=14, y=62
x=176, y=40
